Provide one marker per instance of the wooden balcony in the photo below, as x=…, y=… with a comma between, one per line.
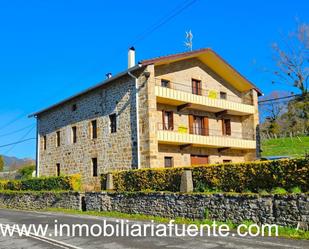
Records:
x=181, y=95
x=214, y=139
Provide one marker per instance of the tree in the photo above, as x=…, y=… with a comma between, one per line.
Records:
x=292, y=59
x=1, y=163
x=272, y=109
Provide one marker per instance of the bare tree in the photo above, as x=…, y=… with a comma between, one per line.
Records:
x=292, y=59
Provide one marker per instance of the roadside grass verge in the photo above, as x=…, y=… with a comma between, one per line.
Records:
x=286, y=232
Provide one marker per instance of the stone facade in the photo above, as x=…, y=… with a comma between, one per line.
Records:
x=285, y=210
x=113, y=150
x=119, y=150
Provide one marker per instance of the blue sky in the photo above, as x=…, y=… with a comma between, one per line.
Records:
x=50, y=50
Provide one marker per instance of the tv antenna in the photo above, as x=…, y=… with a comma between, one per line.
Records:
x=188, y=42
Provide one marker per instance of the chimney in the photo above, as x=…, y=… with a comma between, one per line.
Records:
x=108, y=75
x=131, y=57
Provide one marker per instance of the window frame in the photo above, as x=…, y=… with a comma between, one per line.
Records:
x=94, y=163
x=44, y=142
x=196, y=89
x=74, y=134
x=58, y=138
x=169, y=123
x=113, y=123
x=223, y=95
x=58, y=170
x=167, y=82
x=94, y=129
x=171, y=165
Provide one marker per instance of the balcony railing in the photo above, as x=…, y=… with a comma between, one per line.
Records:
x=249, y=135
x=213, y=94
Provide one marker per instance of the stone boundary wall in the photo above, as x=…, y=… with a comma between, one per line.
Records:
x=40, y=200
x=285, y=210
x=9, y=175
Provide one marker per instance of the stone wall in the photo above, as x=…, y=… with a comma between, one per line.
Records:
x=286, y=210
x=10, y=175
x=114, y=151
x=40, y=200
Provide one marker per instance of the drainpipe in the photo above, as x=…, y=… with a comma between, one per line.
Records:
x=137, y=119
x=37, y=151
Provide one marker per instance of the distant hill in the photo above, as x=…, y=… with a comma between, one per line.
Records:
x=13, y=163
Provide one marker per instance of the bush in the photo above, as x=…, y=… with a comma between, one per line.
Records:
x=279, y=191
x=26, y=172
x=70, y=183
x=240, y=177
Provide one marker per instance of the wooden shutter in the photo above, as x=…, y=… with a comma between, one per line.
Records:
x=199, y=87
x=228, y=127
x=194, y=87
x=163, y=119
x=205, y=126
x=191, y=121
x=171, y=121
x=223, y=127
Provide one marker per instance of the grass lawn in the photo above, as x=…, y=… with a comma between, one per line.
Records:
x=295, y=147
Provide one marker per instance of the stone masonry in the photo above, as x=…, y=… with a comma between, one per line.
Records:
x=118, y=150
x=285, y=210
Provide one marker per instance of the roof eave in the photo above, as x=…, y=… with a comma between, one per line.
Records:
x=117, y=76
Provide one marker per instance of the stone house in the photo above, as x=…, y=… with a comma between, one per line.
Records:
x=176, y=110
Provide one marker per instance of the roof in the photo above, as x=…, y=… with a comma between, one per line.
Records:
x=102, y=83
x=211, y=59
x=206, y=55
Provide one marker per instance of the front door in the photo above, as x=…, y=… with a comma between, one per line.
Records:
x=198, y=160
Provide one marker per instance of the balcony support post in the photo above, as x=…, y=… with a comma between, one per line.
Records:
x=181, y=107
x=223, y=149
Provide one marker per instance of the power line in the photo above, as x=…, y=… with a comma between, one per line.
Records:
x=275, y=99
x=16, y=131
x=21, y=140
x=18, y=142
x=175, y=12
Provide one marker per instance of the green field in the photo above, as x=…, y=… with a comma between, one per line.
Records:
x=295, y=147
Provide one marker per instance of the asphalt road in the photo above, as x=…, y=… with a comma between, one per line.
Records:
x=26, y=217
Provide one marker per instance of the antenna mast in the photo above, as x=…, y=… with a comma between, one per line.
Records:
x=188, y=42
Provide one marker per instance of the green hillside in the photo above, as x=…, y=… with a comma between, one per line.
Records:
x=296, y=146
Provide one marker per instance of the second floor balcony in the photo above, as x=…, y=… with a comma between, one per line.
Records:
x=195, y=97
x=208, y=137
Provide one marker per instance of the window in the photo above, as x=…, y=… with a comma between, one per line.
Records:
x=58, y=138
x=199, y=160
x=223, y=95
x=94, y=167
x=165, y=83
x=168, y=120
x=196, y=87
x=168, y=162
x=198, y=125
x=74, y=107
x=227, y=161
x=44, y=142
x=58, y=169
x=74, y=134
x=94, y=130
x=226, y=127
x=113, y=122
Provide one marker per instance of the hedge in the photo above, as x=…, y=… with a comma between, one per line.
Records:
x=231, y=177
x=70, y=183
